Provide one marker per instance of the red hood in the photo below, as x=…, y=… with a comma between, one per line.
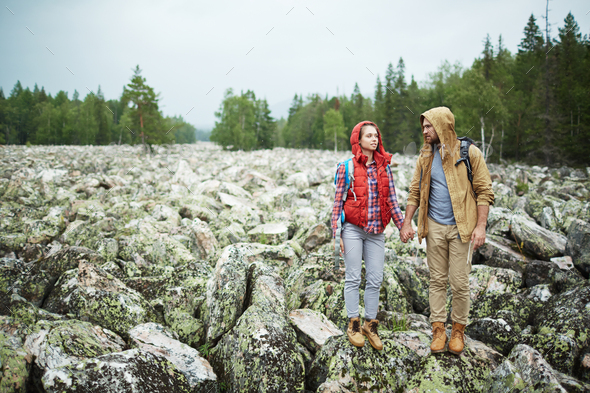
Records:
x=380, y=155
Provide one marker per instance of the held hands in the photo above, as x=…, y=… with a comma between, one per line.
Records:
x=478, y=237
x=407, y=232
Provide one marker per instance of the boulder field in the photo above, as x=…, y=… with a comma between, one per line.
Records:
x=202, y=270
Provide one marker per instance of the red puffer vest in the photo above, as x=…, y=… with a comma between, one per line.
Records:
x=356, y=211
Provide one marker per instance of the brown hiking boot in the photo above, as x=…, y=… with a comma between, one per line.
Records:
x=439, y=337
x=370, y=330
x=457, y=342
x=354, y=332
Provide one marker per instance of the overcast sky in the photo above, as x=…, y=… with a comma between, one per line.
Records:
x=192, y=51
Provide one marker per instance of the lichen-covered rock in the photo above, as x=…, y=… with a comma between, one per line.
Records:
x=578, y=245
x=89, y=293
x=559, y=280
x=563, y=327
x=486, y=279
x=536, y=239
x=108, y=248
x=498, y=252
x=166, y=213
x=32, y=289
x=316, y=236
x=206, y=242
x=415, y=281
x=271, y=233
x=497, y=333
x=154, y=338
x=59, y=343
x=449, y=373
x=15, y=364
x=42, y=274
x=143, y=242
x=397, y=299
x=180, y=295
x=517, y=308
x=133, y=370
x=261, y=353
x=313, y=328
x=226, y=292
x=340, y=363
x=498, y=221
x=299, y=180
x=524, y=370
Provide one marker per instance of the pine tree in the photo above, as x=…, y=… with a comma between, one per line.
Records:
x=144, y=111
x=571, y=91
x=388, y=127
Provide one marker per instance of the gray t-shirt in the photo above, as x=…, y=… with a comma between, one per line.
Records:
x=440, y=208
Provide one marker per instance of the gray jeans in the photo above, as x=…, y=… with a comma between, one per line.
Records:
x=368, y=246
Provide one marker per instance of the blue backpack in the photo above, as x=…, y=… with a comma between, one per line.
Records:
x=348, y=184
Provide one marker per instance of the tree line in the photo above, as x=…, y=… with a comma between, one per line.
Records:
x=531, y=106
x=35, y=117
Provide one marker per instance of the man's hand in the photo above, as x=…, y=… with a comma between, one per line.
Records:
x=407, y=232
x=478, y=237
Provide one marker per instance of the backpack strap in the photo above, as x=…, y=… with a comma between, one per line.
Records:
x=348, y=184
x=464, y=152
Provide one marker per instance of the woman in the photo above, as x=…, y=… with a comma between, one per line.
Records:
x=370, y=204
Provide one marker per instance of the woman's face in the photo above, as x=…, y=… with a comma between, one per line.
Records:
x=370, y=138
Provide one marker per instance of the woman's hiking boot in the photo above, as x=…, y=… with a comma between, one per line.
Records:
x=354, y=332
x=457, y=342
x=439, y=337
x=370, y=330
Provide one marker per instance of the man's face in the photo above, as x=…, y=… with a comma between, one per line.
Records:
x=429, y=133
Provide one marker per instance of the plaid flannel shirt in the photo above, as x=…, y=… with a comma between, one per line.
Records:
x=374, y=224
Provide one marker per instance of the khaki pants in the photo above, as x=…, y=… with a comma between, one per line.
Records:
x=447, y=260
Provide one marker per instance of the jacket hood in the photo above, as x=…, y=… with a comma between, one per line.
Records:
x=443, y=122
x=380, y=155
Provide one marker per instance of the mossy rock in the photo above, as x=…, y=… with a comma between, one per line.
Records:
x=89, y=293
x=522, y=309
x=559, y=350
x=134, y=370
x=450, y=373
x=15, y=364
x=261, y=352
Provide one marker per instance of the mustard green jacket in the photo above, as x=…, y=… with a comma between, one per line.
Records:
x=463, y=198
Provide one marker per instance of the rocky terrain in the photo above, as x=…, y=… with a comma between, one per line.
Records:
x=202, y=270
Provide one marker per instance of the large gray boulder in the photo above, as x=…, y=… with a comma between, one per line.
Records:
x=155, y=338
x=525, y=370
x=404, y=364
x=313, y=328
x=578, y=245
x=226, y=292
x=563, y=332
x=134, y=370
x=89, y=293
x=500, y=252
x=15, y=364
x=261, y=352
x=65, y=343
x=271, y=233
x=536, y=239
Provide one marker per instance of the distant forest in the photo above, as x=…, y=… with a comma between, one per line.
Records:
x=532, y=106
x=35, y=117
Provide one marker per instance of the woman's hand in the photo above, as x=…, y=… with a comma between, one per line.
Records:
x=407, y=232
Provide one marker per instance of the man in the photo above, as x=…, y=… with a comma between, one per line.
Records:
x=453, y=216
